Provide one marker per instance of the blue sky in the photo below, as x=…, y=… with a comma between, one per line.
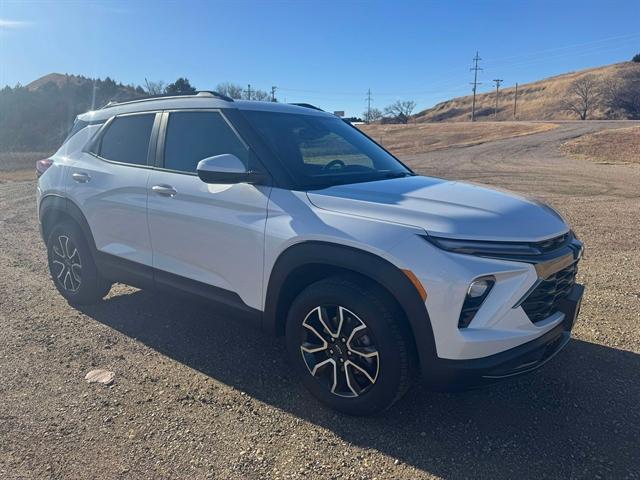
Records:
x=327, y=53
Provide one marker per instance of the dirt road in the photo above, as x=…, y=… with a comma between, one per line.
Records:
x=196, y=396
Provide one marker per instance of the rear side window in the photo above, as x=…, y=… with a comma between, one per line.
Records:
x=193, y=136
x=127, y=139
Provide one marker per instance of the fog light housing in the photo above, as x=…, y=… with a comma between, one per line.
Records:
x=476, y=294
x=478, y=287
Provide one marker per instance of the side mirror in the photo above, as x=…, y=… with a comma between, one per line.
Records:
x=227, y=169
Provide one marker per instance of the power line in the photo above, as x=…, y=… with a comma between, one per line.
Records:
x=498, y=82
x=273, y=93
x=547, y=58
x=368, y=105
x=515, y=102
x=475, y=69
x=629, y=36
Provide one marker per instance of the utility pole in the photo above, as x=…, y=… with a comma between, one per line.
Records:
x=369, y=106
x=515, y=102
x=273, y=94
x=475, y=84
x=249, y=92
x=498, y=82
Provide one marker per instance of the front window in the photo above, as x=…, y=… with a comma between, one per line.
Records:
x=193, y=136
x=321, y=151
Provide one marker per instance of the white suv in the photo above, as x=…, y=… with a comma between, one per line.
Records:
x=293, y=220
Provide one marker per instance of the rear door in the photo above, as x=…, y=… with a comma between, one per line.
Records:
x=109, y=184
x=208, y=237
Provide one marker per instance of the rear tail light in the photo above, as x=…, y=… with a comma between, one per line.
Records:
x=42, y=166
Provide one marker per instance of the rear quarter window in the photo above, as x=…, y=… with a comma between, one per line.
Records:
x=79, y=125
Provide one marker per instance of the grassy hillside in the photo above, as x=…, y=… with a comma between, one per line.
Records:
x=609, y=146
x=541, y=100
x=38, y=116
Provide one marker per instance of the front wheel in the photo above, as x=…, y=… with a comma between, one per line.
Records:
x=350, y=344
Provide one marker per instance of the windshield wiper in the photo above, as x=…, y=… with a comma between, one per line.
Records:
x=398, y=174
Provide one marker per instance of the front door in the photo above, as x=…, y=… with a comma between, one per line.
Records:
x=206, y=235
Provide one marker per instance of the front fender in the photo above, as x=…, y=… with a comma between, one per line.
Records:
x=376, y=268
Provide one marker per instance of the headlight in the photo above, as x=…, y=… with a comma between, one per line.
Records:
x=484, y=248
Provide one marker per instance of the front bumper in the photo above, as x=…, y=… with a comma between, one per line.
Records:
x=460, y=374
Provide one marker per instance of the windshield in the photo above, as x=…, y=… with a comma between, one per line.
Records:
x=321, y=151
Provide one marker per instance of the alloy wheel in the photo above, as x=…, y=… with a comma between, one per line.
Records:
x=66, y=264
x=339, y=350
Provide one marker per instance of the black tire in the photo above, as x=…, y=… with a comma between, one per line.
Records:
x=72, y=267
x=386, y=332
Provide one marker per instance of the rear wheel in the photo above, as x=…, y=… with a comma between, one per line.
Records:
x=350, y=345
x=72, y=268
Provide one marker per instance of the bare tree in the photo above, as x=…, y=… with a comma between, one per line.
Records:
x=232, y=90
x=372, y=115
x=400, y=109
x=583, y=96
x=622, y=94
x=260, y=95
x=154, y=87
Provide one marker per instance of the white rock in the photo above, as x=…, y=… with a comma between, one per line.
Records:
x=100, y=376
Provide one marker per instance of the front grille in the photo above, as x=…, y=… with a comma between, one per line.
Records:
x=543, y=300
x=554, y=243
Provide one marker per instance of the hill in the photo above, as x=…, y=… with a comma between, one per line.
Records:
x=37, y=117
x=541, y=100
x=58, y=79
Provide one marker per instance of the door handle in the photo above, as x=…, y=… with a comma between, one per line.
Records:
x=164, y=190
x=80, y=177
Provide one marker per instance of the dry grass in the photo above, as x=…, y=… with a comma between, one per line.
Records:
x=19, y=166
x=13, y=161
x=621, y=145
x=536, y=101
x=426, y=137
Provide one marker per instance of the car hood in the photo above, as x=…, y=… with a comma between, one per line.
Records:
x=445, y=208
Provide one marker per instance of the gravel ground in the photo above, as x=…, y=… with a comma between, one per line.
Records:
x=199, y=397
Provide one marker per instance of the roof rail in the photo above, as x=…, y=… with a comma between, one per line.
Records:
x=219, y=95
x=307, y=105
x=200, y=93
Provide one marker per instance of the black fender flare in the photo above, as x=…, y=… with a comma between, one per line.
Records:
x=361, y=262
x=59, y=206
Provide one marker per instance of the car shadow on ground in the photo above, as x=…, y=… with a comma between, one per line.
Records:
x=578, y=416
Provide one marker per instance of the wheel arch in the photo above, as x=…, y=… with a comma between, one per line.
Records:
x=304, y=263
x=55, y=209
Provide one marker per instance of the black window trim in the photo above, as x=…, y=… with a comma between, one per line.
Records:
x=96, y=143
x=162, y=136
x=155, y=157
